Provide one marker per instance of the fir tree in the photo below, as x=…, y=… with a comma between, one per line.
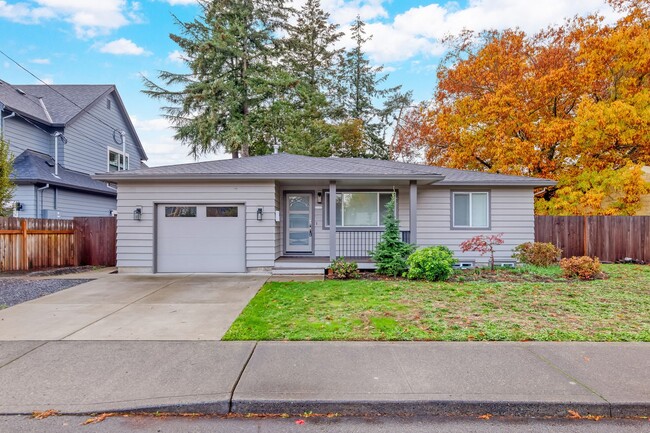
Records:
x=224, y=102
x=391, y=252
x=6, y=185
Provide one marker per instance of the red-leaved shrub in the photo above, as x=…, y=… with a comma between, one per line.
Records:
x=583, y=267
x=537, y=253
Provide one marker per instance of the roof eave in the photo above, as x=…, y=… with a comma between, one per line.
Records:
x=31, y=181
x=114, y=177
x=532, y=183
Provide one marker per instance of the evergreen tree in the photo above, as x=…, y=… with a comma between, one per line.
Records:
x=234, y=80
x=6, y=185
x=391, y=252
x=360, y=90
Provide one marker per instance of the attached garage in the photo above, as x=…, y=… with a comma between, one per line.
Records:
x=200, y=238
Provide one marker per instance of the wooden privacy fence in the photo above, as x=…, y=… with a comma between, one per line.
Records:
x=29, y=243
x=609, y=238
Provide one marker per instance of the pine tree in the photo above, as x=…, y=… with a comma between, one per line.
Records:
x=391, y=252
x=225, y=100
x=360, y=90
x=6, y=185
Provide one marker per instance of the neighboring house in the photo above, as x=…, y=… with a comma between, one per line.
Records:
x=274, y=212
x=59, y=136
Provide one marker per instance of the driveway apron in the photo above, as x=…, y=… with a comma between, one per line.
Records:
x=134, y=307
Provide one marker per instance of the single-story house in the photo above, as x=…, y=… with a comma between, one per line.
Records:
x=275, y=212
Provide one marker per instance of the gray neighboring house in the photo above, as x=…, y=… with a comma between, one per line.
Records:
x=59, y=144
x=276, y=212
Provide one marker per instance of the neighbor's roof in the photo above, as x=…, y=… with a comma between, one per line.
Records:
x=59, y=105
x=35, y=167
x=286, y=166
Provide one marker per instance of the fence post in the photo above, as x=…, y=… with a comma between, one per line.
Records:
x=25, y=259
x=585, y=235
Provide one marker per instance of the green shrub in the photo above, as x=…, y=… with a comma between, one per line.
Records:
x=343, y=270
x=391, y=252
x=431, y=263
x=583, y=267
x=537, y=253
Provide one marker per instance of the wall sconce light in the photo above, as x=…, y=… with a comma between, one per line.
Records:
x=137, y=214
x=319, y=197
x=260, y=212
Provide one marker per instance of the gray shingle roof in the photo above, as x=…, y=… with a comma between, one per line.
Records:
x=287, y=166
x=55, y=110
x=35, y=167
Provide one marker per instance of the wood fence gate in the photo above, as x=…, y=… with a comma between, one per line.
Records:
x=30, y=243
x=609, y=238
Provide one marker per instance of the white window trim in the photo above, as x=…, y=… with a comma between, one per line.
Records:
x=119, y=152
x=326, y=209
x=471, y=225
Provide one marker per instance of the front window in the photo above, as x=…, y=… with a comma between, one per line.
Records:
x=117, y=161
x=470, y=210
x=359, y=209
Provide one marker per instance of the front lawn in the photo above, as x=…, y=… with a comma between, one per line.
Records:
x=549, y=309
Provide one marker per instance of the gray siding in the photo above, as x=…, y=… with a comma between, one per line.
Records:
x=135, y=239
x=89, y=139
x=73, y=203
x=25, y=195
x=278, y=224
x=512, y=213
x=21, y=136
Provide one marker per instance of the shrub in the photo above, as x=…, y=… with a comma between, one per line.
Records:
x=343, y=270
x=391, y=252
x=431, y=263
x=537, y=253
x=583, y=268
x=483, y=244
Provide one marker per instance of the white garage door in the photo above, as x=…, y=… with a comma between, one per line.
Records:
x=201, y=238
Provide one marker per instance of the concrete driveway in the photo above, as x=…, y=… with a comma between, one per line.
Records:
x=134, y=307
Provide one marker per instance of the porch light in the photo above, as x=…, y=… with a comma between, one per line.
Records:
x=137, y=214
x=319, y=197
x=260, y=212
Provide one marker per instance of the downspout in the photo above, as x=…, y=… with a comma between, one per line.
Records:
x=2, y=119
x=123, y=135
x=57, y=135
x=47, y=185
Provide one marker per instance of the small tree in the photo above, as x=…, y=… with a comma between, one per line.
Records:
x=391, y=252
x=483, y=244
x=6, y=185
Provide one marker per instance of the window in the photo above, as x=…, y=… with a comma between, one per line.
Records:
x=221, y=211
x=358, y=209
x=180, y=211
x=470, y=210
x=116, y=161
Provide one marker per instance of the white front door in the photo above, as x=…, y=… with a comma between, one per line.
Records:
x=298, y=237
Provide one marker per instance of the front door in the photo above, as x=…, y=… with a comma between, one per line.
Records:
x=298, y=238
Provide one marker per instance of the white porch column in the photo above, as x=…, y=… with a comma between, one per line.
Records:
x=413, y=211
x=332, y=210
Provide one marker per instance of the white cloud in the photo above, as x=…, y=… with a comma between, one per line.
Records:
x=89, y=18
x=176, y=56
x=419, y=30
x=40, y=61
x=123, y=47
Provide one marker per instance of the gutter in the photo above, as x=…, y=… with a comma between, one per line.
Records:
x=203, y=176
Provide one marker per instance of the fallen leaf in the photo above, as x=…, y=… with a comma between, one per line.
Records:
x=574, y=415
x=99, y=418
x=594, y=417
x=45, y=414
x=300, y=421
x=486, y=416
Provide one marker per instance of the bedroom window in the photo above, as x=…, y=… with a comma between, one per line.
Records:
x=470, y=210
x=116, y=161
x=358, y=209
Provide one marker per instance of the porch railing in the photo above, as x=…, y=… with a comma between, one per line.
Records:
x=359, y=243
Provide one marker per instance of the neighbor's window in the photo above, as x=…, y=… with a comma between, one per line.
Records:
x=470, y=209
x=116, y=161
x=359, y=209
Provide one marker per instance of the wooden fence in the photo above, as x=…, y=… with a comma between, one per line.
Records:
x=28, y=243
x=609, y=238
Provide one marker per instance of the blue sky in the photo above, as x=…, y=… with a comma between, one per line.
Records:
x=117, y=41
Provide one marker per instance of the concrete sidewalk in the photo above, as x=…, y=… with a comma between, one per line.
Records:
x=526, y=379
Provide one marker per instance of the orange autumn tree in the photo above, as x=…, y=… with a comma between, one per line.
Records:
x=571, y=103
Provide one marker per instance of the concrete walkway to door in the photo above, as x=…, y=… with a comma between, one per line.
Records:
x=134, y=307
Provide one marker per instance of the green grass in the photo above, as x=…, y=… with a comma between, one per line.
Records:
x=613, y=309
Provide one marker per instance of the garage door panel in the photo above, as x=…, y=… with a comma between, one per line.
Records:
x=201, y=238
